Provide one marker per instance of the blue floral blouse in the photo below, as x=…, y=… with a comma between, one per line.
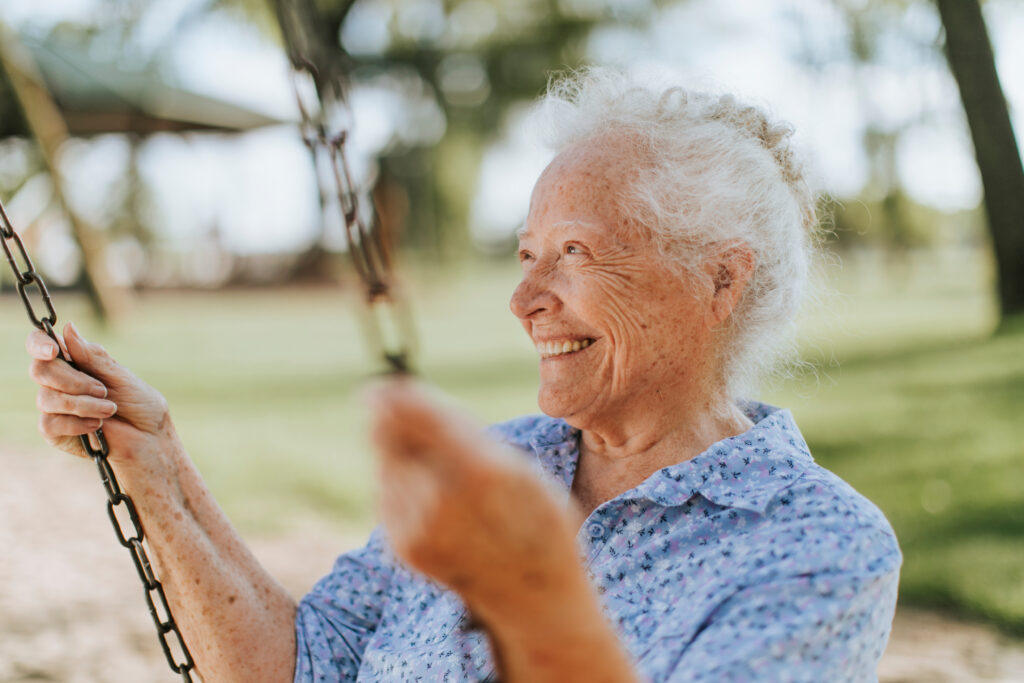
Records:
x=747, y=563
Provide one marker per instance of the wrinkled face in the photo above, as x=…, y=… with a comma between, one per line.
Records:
x=616, y=329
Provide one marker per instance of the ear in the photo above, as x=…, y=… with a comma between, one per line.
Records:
x=730, y=270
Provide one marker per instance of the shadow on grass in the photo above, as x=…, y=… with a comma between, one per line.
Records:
x=934, y=435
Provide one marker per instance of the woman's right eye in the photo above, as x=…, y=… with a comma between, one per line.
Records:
x=525, y=256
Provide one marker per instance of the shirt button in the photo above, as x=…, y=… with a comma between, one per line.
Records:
x=596, y=530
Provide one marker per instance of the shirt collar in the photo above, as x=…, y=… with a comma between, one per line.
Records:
x=557, y=446
x=744, y=471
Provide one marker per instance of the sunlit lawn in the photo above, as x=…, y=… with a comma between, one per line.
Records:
x=911, y=400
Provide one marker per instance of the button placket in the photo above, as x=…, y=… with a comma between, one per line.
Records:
x=599, y=528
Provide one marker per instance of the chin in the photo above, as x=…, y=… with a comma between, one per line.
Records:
x=557, y=403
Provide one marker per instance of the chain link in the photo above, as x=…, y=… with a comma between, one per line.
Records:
x=26, y=278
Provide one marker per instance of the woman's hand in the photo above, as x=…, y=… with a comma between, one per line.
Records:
x=238, y=621
x=464, y=510
x=477, y=517
x=97, y=392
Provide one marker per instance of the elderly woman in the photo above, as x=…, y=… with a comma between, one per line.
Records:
x=651, y=525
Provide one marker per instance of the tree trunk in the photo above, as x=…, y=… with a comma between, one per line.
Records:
x=973, y=65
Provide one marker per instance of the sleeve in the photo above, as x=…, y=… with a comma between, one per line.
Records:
x=831, y=625
x=336, y=620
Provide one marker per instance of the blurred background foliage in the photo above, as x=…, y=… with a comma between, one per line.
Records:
x=908, y=394
x=445, y=84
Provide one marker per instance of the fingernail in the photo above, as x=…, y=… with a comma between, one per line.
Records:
x=75, y=330
x=98, y=390
x=110, y=407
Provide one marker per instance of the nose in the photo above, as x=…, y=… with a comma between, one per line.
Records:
x=534, y=296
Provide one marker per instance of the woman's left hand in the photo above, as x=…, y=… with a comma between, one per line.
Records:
x=465, y=510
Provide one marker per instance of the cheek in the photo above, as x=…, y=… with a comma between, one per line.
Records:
x=618, y=305
x=653, y=329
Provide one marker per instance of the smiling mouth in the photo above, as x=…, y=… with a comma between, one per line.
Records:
x=562, y=347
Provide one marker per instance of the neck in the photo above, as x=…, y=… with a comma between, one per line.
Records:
x=617, y=455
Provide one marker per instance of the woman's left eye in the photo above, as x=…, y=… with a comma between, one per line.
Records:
x=572, y=249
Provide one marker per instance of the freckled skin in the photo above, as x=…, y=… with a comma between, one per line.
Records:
x=647, y=393
x=237, y=620
x=586, y=274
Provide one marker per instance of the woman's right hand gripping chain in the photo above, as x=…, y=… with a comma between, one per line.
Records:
x=97, y=392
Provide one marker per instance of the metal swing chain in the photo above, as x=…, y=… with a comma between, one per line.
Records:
x=325, y=118
x=26, y=278
x=326, y=121
x=388, y=329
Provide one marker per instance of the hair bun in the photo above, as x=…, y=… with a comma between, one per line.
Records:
x=753, y=123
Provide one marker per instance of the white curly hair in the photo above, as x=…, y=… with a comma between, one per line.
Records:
x=713, y=170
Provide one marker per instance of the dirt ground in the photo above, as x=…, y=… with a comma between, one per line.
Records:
x=71, y=606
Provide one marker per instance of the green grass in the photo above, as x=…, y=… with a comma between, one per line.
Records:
x=911, y=399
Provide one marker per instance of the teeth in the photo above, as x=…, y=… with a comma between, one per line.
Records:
x=554, y=348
